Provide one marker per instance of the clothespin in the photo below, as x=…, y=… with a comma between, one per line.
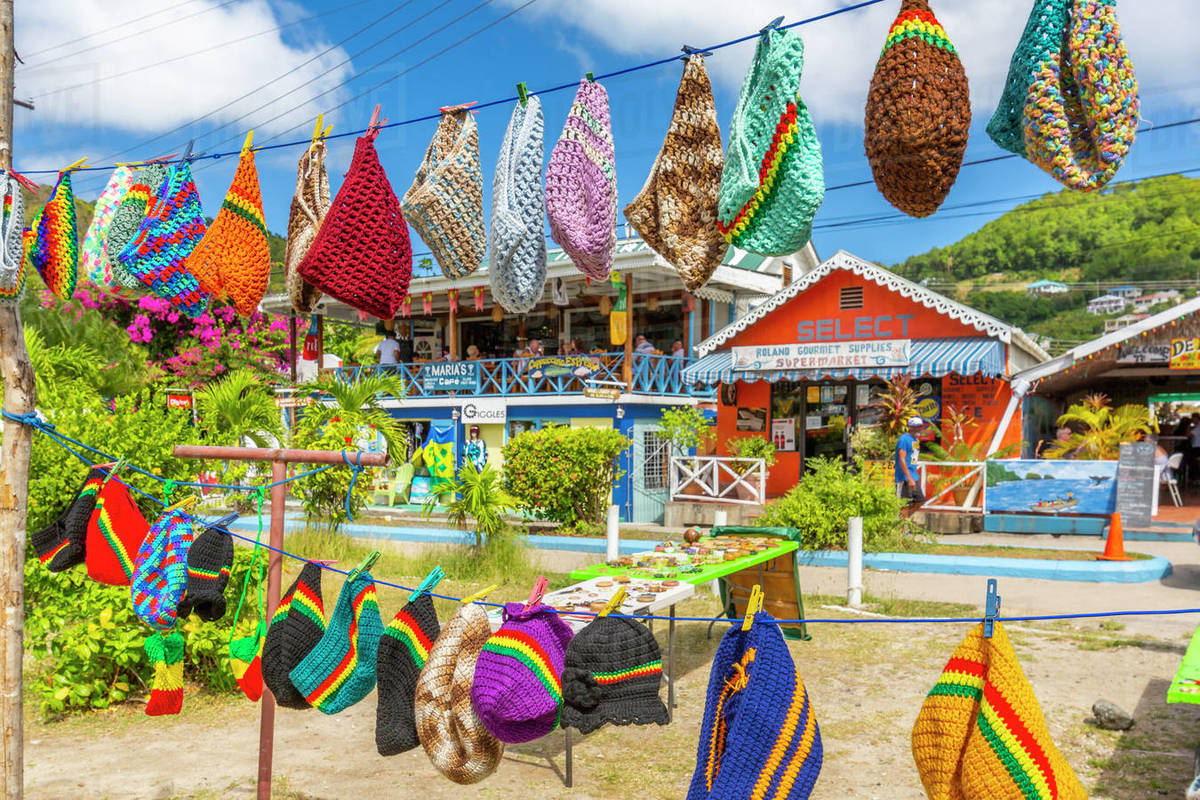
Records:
x=537, y=592
x=182, y=505
x=522, y=93
x=147, y=161
x=466, y=601
x=317, y=130
x=187, y=151
x=21, y=179
x=589, y=76
x=991, y=609
x=322, y=561
x=613, y=603
x=366, y=564
x=249, y=140
x=113, y=467
x=753, y=606
x=772, y=25
x=427, y=585
x=376, y=123
x=689, y=51
x=74, y=165
x=223, y=522
x=459, y=107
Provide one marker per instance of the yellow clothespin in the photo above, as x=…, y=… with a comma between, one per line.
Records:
x=75, y=165
x=249, y=140
x=317, y=129
x=614, y=602
x=466, y=601
x=182, y=505
x=753, y=606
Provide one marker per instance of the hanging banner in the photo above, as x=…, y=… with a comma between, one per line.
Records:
x=1185, y=354
x=557, y=366
x=618, y=318
x=826, y=355
x=450, y=376
x=310, y=342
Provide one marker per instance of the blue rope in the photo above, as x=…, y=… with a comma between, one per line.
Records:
x=356, y=468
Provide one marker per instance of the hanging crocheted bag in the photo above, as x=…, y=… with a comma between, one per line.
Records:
x=233, y=260
x=1044, y=33
x=127, y=220
x=918, y=113
x=362, y=255
x=445, y=202
x=581, y=184
x=517, y=266
x=310, y=204
x=93, y=257
x=160, y=570
x=157, y=256
x=676, y=211
x=12, y=241
x=773, y=181
x=55, y=249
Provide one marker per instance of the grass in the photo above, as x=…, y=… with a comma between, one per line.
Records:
x=896, y=606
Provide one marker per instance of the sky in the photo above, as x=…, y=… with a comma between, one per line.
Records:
x=132, y=79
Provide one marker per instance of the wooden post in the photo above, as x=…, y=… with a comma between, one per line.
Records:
x=320, y=343
x=452, y=334
x=627, y=372
x=292, y=351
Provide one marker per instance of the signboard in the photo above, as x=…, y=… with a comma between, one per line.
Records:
x=783, y=434
x=602, y=392
x=1135, y=483
x=832, y=355
x=1051, y=486
x=1185, y=354
x=450, y=376
x=180, y=401
x=1144, y=354
x=557, y=366
x=484, y=412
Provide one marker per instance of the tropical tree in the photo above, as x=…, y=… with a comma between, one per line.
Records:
x=360, y=402
x=240, y=407
x=1099, y=429
x=479, y=496
x=896, y=404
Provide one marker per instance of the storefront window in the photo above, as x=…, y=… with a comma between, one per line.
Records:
x=826, y=415
x=787, y=408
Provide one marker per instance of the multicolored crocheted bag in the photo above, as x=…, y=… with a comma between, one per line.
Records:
x=517, y=263
x=773, y=181
x=127, y=221
x=310, y=204
x=12, y=241
x=581, y=184
x=93, y=258
x=160, y=570
x=115, y=532
x=918, y=113
x=362, y=255
x=55, y=250
x=445, y=202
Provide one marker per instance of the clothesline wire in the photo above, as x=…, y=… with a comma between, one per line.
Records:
x=32, y=421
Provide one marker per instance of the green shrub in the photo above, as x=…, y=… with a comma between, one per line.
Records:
x=563, y=474
x=324, y=494
x=750, y=447
x=826, y=497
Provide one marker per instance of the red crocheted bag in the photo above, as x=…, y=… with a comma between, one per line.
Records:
x=362, y=255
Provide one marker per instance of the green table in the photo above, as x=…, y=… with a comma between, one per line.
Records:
x=1185, y=688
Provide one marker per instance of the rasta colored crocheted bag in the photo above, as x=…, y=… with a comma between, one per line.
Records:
x=93, y=257
x=676, y=211
x=158, y=255
x=12, y=241
x=115, y=532
x=612, y=673
x=55, y=249
x=517, y=263
x=310, y=204
x=128, y=220
x=296, y=628
x=980, y=734
x=403, y=650
x=759, y=737
x=445, y=202
x=362, y=255
x=581, y=184
x=233, y=260
x=918, y=113
x=62, y=544
x=773, y=181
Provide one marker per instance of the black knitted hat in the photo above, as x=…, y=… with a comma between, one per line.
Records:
x=298, y=624
x=209, y=561
x=611, y=674
x=403, y=650
x=60, y=545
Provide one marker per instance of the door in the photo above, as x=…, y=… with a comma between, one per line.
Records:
x=648, y=477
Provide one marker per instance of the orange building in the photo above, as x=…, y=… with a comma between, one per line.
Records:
x=804, y=367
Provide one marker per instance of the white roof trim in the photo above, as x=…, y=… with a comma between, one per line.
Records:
x=983, y=323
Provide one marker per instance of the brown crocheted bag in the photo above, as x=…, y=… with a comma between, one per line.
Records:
x=310, y=204
x=918, y=113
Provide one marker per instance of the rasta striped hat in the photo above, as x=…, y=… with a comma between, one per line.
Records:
x=115, y=531
x=980, y=734
x=518, y=687
x=296, y=628
x=209, y=561
x=403, y=651
x=612, y=672
x=61, y=544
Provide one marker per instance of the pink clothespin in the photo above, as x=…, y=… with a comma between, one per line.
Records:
x=538, y=591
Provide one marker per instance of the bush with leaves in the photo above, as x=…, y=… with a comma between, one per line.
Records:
x=477, y=496
x=563, y=474
x=685, y=427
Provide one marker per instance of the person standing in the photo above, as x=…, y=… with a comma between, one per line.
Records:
x=907, y=456
x=476, y=450
x=388, y=350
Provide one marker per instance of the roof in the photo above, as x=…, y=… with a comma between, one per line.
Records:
x=1045, y=282
x=841, y=260
x=1106, y=298
x=1121, y=288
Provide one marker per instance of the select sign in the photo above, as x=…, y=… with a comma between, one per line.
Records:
x=484, y=412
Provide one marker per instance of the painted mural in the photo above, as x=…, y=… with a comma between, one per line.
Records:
x=1051, y=486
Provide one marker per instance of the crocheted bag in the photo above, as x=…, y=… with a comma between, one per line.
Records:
x=62, y=544
x=310, y=204
x=55, y=250
x=676, y=211
x=166, y=655
x=13, y=263
x=518, y=685
x=128, y=220
x=403, y=650
x=1044, y=34
x=980, y=733
x=209, y=562
x=160, y=570
x=758, y=732
x=611, y=673
x=581, y=184
x=296, y=628
x=918, y=113
x=517, y=263
x=93, y=257
x=115, y=532
x=773, y=181
x=233, y=260
x=451, y=732
x=362, y=255
x=445, y=202
x=158, y=255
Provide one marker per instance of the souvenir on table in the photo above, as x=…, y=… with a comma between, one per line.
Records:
x=61, y=544
x=115, y=532
x=403, y=650
x=128, y=220
x=13, y=263
x=517, y=263
x=93, y=255
x=55, y=249
x=310, y=204
x=296, y=628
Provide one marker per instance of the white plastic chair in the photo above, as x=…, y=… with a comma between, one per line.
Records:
x=1168, y=477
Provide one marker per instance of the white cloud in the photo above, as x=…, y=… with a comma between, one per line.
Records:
x=161, y=97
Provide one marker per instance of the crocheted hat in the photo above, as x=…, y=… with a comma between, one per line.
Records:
x=115, y=532
x=518, y=686
x=128, y=220
x=918, y=113
x=296, y=628
x=93, y=253
x=209, y=562
x=361, y=254
x=451, y=732
x=611, y=674
x=581, y=184
x=445, y=202
x=1044, y=34
x=340, y=670
x=55, y=251
x=759, y=730
x=233, y=259
x=773, y=181
x=61, y=544
x=517, y=261
x=160, y=570
x=166, y=655
x=310, y=204
x=158, y=254
x=980, y=733
x=403, y=651
x=676, y=211
x=13, y=263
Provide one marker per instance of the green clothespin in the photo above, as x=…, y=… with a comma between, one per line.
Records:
x=522, y=93
x=366, y=564
x=427, y=585
x=589, y=76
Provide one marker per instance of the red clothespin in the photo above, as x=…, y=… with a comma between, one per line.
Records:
x=376, y=123
x=323, y=562
x=459, y=107
x=538, y=592
x=21, y=179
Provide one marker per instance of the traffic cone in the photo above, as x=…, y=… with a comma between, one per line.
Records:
x=1114, y=545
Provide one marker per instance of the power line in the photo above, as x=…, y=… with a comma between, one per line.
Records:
x=118, y=26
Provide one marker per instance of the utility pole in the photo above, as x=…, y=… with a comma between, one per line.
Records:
x=17, y=374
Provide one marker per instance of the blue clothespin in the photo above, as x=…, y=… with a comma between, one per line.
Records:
x=991, y=609
x=431, y=580
x=689, y=51
x=366, y=564
x=223, y=522
x=772, y=25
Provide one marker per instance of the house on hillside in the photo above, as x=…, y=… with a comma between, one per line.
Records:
x=1128, y=292
x=1147, y=301
x=1106, y=304
x=1046, y=288
x=1122, y=321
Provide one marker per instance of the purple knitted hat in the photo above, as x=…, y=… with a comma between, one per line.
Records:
x=517, y=691
x=581, y=184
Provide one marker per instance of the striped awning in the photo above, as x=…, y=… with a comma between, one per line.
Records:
x=932, y=357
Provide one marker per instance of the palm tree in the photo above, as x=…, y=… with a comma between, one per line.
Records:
x=238, y=407
x=361, y=401
x=1102, y=428
x=479, y=496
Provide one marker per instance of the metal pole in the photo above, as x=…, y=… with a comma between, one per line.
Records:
x=854, y=545
x=266, y=730
x=613, y=535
